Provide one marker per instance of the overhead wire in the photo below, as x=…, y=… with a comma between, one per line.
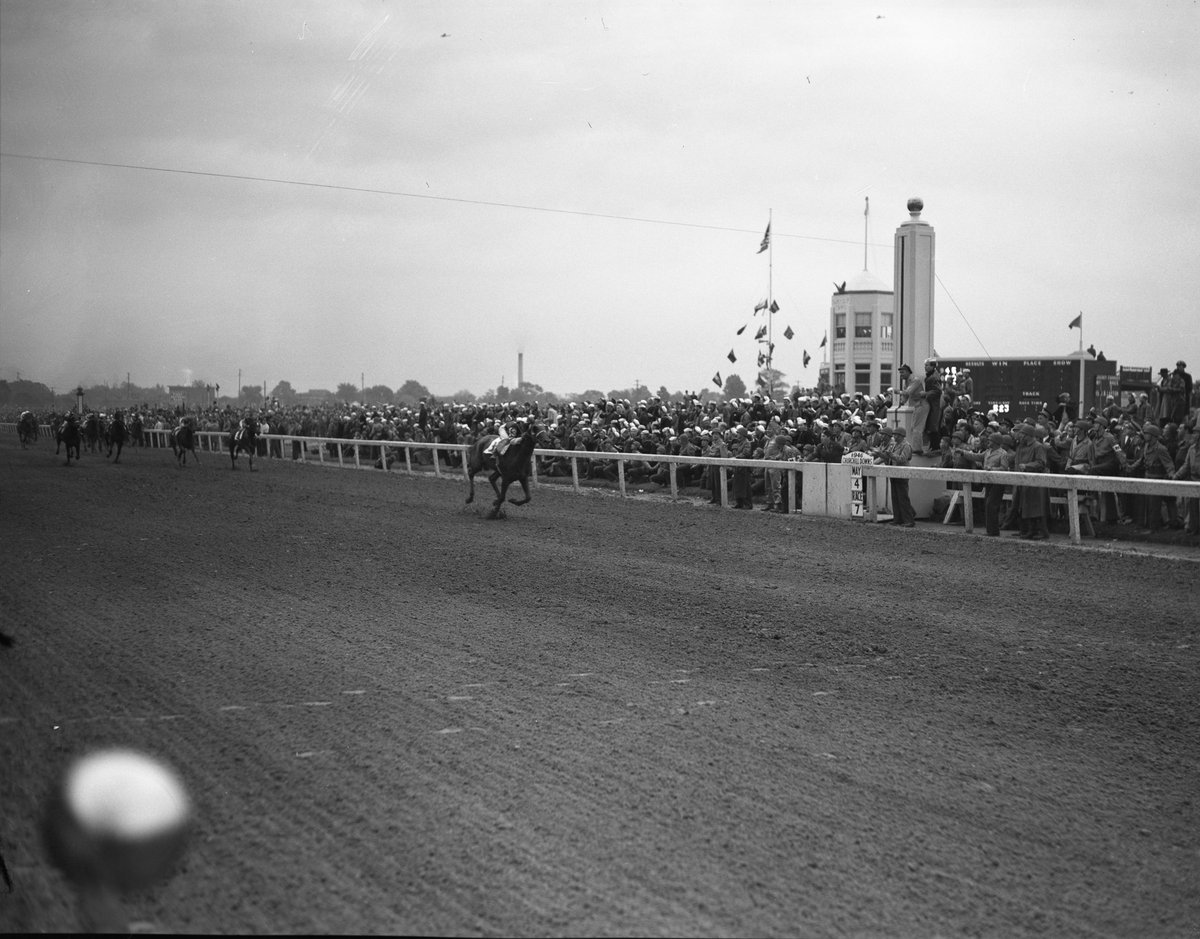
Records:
x=402, y=194
x=370, y=190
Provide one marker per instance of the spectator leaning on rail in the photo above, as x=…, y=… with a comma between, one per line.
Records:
x=1189, y=468
x=778, y=448
x=1155, y=463
x=898, y=453
x=1081, y=455
x=1030, y=501
x=994, y=459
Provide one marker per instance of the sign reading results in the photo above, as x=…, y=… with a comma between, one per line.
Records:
x=856, y=460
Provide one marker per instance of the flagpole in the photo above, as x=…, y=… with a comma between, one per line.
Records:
x=770, y=297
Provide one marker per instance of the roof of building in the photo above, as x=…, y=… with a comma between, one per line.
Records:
x=865, y=281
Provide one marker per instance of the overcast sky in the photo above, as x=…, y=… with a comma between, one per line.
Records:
x=318, y=191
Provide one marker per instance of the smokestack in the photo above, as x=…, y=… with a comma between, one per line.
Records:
x=520, y=370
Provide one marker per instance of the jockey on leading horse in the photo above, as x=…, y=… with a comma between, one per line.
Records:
x=506, y=434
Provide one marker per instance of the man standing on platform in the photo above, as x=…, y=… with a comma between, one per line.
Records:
x=912, y=394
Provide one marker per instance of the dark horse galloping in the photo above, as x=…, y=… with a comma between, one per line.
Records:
x=93, y=432
x=183, y=442
x=68, y=433
x=244, y=439
x=511, y=466
x=117, y=434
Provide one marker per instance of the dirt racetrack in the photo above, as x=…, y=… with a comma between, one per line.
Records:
x=595, y=717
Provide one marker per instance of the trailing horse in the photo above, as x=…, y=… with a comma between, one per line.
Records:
x=68, y=434
x=183, y=442
x=244, y=440
x=27, y=429
x=117, y=435
x=511, y=466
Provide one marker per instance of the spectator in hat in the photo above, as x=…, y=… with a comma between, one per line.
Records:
x=1176, y=396
x=741, y=447
x=1081, y=451
x=912, y=395
x=1181, y=370
x=1030, y=502
x=716, y=448
x=898, y=453
x=779, y=447
x=1063, y=410
x=936, y=398
x=1189, y=468
x=994, y=458
x=1155, y=463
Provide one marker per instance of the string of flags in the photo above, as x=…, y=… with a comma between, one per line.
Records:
x=767, y=348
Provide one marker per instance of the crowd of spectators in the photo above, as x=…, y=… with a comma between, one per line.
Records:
x=1147, y=438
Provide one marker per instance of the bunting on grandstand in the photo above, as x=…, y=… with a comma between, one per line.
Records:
x=787, y=333
x=760, y=306
x=742, y=330
x=731, y=356
x=717, y=379
x=774, y=307
x=762, y=331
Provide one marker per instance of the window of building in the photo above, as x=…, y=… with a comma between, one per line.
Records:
x=839, y=380
x=862, y=325
x=885, y=377
x=839, y=326
x=862, y=376
x=885, y=327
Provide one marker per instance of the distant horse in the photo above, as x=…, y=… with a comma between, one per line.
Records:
x=93, y=432
x=27, y=429
x=183, y=442
x=117, y=434
x=511, y=466
x=244, y=440
x=68, y=434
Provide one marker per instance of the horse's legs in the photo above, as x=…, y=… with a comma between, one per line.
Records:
x=492, y=479
x=499, y=498
x=525, y=489
x=471, y=484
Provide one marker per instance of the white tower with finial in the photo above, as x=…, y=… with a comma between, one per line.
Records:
x=913, y=280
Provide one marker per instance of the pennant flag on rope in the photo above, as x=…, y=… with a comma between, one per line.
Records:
x=1077, y=322
x=771, y=348
x=742, y=330
x=762, y=331
x=760, y=306
x=807, y=358
x=824, y=339
x=731, y=356
x=761, y=360
x=717, y=379
x=766, y=242
x=787, y=333
x=774, y=307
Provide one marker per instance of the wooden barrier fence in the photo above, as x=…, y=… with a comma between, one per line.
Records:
x=370, y=454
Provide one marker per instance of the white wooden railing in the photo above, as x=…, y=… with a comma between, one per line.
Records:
x=366, y=454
